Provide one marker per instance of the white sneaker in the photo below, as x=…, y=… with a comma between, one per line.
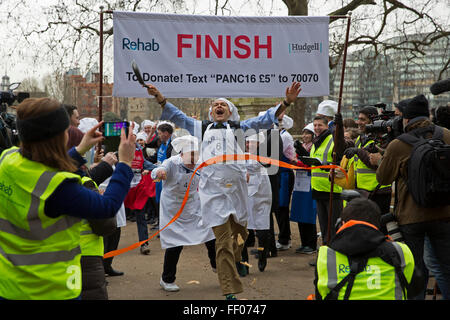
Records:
x=172, y=287
x=282, y=247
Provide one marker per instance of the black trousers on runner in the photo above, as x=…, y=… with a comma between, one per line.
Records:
x=172, y=255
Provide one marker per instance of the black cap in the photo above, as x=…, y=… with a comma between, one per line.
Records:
x=416, y=107
x=369, y=111
x=402, y=105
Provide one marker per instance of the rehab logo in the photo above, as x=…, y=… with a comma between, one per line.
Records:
x=139, y=45
x=305, y=47
x=6, y=189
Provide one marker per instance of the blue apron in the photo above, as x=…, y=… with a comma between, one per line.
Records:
x=303, y=208
x=161, y=157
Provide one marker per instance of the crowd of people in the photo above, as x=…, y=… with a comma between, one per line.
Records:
x=64, y=200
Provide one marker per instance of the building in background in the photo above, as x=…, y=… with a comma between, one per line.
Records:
x=391, y=76
x=83, y=93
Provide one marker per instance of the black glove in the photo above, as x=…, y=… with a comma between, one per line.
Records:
x=350, y=152
x=338, y=120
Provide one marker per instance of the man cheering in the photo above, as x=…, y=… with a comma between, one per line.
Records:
x=223, y=186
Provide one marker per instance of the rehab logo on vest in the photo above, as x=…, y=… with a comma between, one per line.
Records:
x=138, y=45
x=305, y=47
x=6, y=189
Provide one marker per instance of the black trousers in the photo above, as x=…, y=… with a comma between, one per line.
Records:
x=322, y=213
x=172, y=255
x=93, y=278
x=284, y=225
x=282, y=214
x=274, y=184
x=263, y=237
x=308, y=234
x=110, y=243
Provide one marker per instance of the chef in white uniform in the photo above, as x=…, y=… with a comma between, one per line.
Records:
x=222, y=187
x=259, y=201
x=188, y=229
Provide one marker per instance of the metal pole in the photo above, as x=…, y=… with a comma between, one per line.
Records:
x=100, y=91
x=341, y=88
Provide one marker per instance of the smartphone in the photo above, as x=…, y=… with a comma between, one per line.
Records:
x=111, y=131
x=113, y=128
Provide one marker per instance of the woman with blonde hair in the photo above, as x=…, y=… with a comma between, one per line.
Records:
x=41, y=212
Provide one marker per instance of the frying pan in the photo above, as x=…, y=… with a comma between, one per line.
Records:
x=137, y=73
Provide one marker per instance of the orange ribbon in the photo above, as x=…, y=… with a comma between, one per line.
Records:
x=215, y=160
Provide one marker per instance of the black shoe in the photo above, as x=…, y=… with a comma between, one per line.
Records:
x=113, y=273
x=313, y=263
x=262, y=260
x=241, y=269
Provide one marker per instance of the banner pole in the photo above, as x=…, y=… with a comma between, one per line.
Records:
x=100, y=91
x=341, y=88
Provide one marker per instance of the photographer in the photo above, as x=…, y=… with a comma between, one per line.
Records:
x=40, y=238
x=416, y=222
x=359, y=248
x=365, y=173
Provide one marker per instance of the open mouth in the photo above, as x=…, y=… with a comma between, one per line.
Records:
x=220, y=112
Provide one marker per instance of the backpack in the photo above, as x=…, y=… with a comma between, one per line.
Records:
x=428, y=167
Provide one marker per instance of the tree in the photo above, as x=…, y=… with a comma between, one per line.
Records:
x=30, y=84
x=54, y=85
x=388, y=18
x=67, y=35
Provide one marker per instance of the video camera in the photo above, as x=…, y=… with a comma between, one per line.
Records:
x=9, y=135
x=385, y=127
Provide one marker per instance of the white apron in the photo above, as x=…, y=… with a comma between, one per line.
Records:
x=188, y=228
x=222, y=187
x=259, y=197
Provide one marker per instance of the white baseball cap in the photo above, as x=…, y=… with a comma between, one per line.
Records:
x=327, y=108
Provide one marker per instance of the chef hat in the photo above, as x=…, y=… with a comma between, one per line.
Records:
x=146, y=123
x=86, y=124
x=164, y=121
x=327, y=108
x=185, y=144
x=257, y=137
x=141, y=135
x=234, y=112
x=286, y=122
x=309, y=127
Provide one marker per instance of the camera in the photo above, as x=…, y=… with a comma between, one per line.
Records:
x=9, y=135
x=390, y=224
x=385, y=126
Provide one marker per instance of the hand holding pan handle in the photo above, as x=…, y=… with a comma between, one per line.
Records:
x=137, y=73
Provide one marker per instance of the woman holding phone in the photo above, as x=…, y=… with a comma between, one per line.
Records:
x=40, y=215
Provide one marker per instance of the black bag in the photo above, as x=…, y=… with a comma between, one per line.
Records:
x=428, y=167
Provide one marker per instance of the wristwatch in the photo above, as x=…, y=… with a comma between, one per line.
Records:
x=286, y=103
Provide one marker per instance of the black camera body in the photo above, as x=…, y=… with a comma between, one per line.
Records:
x=9, y=136
x=390, y=226
x=385, y=126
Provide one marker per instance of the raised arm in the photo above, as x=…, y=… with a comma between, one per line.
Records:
x=173, y=114
x=266, y=120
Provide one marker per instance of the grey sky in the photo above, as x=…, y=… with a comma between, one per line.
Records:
x=16, y=56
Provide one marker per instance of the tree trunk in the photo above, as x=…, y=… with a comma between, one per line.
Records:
x=297, y=111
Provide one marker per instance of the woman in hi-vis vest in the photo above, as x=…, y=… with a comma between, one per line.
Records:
x=42, y=203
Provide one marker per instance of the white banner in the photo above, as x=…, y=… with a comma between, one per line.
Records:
x=212, y=56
